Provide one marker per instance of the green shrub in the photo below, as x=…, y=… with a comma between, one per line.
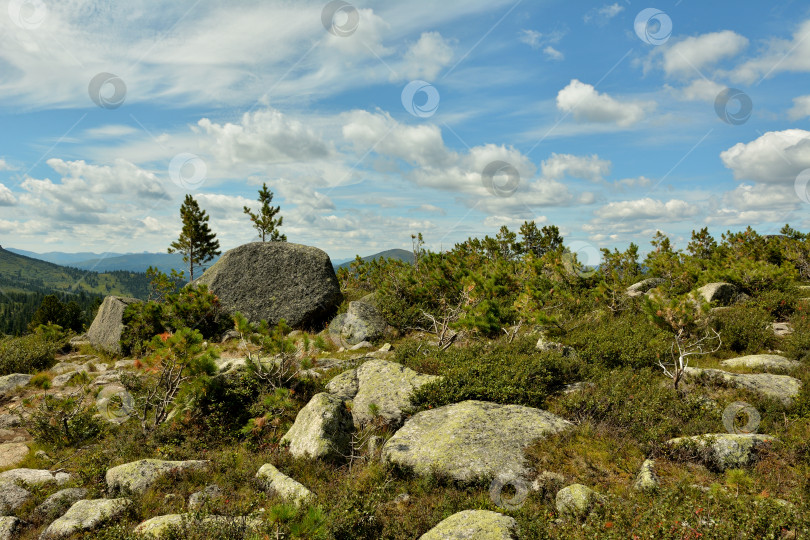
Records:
x=40, y=380
x=505, y=373
x=66, y=421
x=797, y=344
x=27, y=354
x=625, y=340
x=778, y=304
x=639, y=403
x=192, y=307
x=744, y=329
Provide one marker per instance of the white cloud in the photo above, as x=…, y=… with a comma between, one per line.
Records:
x=4, y=166
x=588, y=105
x=602, y=15
x=6, y=197
x=773, y=158
x=801, y=108
x=266, y=136
x=553, y=53
x=587, y=167
x=780, y=55
x=427, y=57
x=514, y=224
x=689, y=56
x=647, y=208
x=538, y=40
x=700, y=90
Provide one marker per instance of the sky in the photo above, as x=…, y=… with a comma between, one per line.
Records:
x=372, y=121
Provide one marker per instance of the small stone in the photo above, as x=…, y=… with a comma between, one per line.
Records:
x=361, y=345
x=209, y=494
x=646, y=480
x=12, y=454
x=282, y=485
x=576, y=501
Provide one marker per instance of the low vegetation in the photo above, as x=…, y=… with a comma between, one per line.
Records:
x=472, y=315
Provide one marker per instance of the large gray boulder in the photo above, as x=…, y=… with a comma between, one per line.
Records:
x=12, y=497
x=720, y=292
x=722, y=451
x=286, y=488
x=781, y=387
x=168, y=525
x=764, y=362
x=363, y=322
x=34, y=477
x=105, y=332
x=637, y=289
x=387, y=386
x=8, y=527
x=9, y=383
x=56, y=504
x=138, y=476
x=471, y=441
x=274, y=281
x=474, y=525
x=85, y=515
x=321, y=430
x=12, y=454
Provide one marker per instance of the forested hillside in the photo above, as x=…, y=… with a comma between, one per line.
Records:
x=24, y=282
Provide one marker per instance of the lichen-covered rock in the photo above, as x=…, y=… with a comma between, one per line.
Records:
x=12, y=497
x=138, y=476
x=85, y=515
x=282, y=485
x=274, y=281
x=637, y=289
x=8, y=383
x=763, y=362
x=474, y=525
x=321, y=430
x=159, y=526
x=11, y=454
x=56, y=504
x=781, y=387
x=363, y=322
x=471, y=440
x=576, y=501
x=387, y=386
x=34, y=477
x=646, y=480
x=8, y=527
x=722, y=451
x=198, y=499
x=343, y=385
x=720, y=292
x=105, y=332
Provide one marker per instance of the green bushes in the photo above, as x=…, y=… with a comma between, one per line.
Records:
x=191, y=307
x=797, y=344
x=744, y=329
x=625, y=340
x=27, y=354
x=506, y=373
x=640, y=403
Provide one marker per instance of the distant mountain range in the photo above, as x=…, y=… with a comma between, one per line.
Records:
x=399, y=254
x=165, y=262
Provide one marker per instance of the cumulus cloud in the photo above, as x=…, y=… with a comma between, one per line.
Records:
x=588, y=105
x=774, y=157
x=6, y=197
x=553, y=53
x=800, y=109
x=780, y=55
x=602, y=15
x=427, y=57
x=266, y=135
x=689, y=56
x=587, y=167
x=4, y=166
x=647, y=208
x=700, y=90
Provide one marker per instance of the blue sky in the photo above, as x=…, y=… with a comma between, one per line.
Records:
x=609, y=123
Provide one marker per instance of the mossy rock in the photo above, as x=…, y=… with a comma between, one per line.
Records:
x=474, y=525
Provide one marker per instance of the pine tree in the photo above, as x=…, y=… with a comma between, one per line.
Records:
x=265, y=221
x=196, y=242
